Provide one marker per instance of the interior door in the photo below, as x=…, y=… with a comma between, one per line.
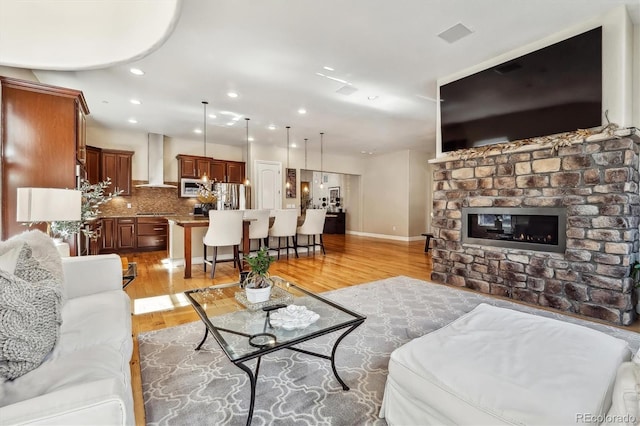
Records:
x=268, y=185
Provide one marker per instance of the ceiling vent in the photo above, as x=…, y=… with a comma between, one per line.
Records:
x=455, y=33
x=347, y=90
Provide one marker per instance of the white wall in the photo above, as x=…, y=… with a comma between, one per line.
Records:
x=385, y=194
x=419, y=192
x=636, y=77
x=617, y=69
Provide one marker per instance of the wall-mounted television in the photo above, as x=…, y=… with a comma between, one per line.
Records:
x=552, y=90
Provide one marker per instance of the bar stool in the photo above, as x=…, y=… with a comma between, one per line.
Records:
x=258, y=227
x=284, y=226
x=313, y=225
x=225, y=229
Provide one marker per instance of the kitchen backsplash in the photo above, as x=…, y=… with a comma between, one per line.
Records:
x=149, y=200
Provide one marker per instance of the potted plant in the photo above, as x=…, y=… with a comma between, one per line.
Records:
x=258, y=283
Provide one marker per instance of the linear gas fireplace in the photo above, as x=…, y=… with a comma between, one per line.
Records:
x=540, y=228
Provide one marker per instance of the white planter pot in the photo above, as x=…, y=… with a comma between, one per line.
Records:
x=258, y=295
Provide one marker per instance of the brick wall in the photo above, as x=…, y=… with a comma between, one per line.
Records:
x=597, y=183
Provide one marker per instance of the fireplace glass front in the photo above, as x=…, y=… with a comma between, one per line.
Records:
x=541, y=229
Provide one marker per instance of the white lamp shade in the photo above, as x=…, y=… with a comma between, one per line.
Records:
x=48, y=205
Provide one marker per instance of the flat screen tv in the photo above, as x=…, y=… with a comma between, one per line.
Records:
x=552, y=90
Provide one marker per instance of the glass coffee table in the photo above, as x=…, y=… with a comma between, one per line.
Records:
x=248, y=331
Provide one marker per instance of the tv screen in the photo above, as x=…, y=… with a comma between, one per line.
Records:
x=552, y=90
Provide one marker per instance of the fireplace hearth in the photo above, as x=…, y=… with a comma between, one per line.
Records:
x=539, y=229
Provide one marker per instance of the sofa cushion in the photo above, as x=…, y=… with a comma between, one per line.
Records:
x=30, y=316
x=63, y=372
x=97, y=319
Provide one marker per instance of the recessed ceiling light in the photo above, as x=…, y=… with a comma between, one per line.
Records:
x=293, y=145
x=212, y=116
x=135, y=101
x=363, y=152
x=198, y=131
x=133, y=121
x=231, y=123
x=272, y=127
x=302, y=111
x=232, y=94
x=372, y=98
x=250, y=138
x=136, y=71
x=237, y=117
x=328, y=68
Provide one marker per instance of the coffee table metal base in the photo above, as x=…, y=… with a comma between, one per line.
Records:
x=253, y=375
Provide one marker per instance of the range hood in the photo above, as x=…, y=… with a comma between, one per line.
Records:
x=155, y=158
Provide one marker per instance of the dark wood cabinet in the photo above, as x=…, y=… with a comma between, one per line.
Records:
x=40, y=135
x=218, y=170
x=152, y=233
x=235, y=172
x=190, y=166
x=92, y=165
x=108, y=235
x=117, y=166
x=126, y=233
x=335, y=223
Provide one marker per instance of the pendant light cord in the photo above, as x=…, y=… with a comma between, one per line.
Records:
x=305, y=152
x=248, y=161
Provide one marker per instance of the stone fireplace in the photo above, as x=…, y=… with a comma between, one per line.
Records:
x=486, y=208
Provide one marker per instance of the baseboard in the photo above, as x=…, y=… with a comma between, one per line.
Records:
x=386, y=237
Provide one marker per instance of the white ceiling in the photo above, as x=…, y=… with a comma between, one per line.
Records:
x=270, y=52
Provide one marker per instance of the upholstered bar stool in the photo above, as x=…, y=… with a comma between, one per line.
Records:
x=284, y=226
x=258, y=227
x=225, y=229
x=313, y=225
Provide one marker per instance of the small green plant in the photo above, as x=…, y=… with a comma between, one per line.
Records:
x=259, y=264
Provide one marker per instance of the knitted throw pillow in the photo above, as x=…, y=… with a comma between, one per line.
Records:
x=30, y=315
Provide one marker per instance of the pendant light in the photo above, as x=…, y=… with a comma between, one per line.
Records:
x=246, y=180
x=321, y=169
x=288, y=185
x=204, y=177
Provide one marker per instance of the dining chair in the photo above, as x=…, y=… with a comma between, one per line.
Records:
x=225, y=229
x=284, y=226
x=258, y=227
x=313, y=225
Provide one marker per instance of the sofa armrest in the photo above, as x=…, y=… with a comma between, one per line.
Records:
x=101, y=402
x=84, y=275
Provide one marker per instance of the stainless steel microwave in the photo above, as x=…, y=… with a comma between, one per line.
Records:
x=189, y=187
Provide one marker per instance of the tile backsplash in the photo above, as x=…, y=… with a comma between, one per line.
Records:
x=149, y=200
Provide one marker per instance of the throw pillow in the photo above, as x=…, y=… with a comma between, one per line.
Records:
x=30, y=317
x=9, y=259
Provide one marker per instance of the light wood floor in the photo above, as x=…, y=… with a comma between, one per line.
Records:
x=350, y=260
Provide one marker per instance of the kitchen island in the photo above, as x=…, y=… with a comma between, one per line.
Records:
x=188, y=223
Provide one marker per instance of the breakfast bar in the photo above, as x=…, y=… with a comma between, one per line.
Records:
x=190, y=222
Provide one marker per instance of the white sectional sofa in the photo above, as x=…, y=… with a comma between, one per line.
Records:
x=86, y=379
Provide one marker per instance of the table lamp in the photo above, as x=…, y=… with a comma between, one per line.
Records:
x=48, y=205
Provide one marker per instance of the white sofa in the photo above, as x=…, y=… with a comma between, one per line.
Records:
x=86, y=379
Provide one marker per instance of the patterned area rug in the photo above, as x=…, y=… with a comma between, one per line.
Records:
x=186, y=387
